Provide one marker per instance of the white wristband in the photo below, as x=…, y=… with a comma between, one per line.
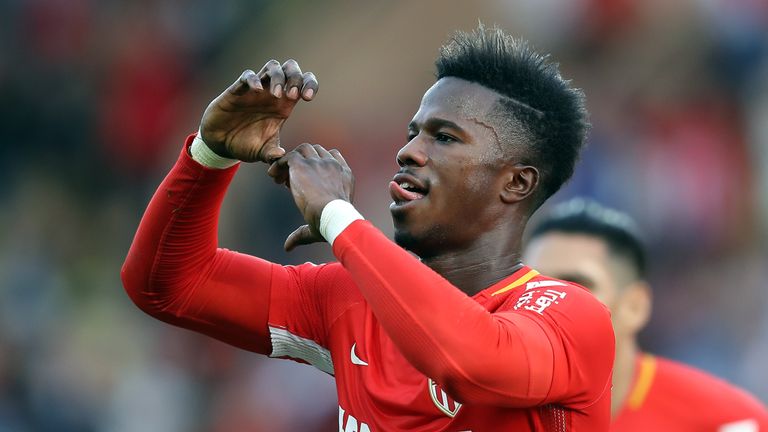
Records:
x=203, y=155
x=337, y=215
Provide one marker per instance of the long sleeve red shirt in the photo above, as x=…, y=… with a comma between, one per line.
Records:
x=408, y=350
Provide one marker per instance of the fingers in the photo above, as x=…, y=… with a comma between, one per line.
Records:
x=307, y=150
x=321, y=151
x=280, y=168
x=317, y=151
x=279, y=171
x=330, y=154
x=301, y=236
x=248, y=80
x=309, y=89
x=294, y=79
x=272, y=75
x=286, y=79
x=340, y=159
x=337, y=155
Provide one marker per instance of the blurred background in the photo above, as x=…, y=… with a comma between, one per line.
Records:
x=98, y=96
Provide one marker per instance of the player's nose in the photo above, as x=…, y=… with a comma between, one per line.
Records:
x=412, y=154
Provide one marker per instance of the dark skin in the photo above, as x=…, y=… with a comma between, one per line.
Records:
x=244, y=121
x=469, y=226
x=461, y=197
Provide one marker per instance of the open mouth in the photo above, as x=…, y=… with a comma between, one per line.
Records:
x=405, y=188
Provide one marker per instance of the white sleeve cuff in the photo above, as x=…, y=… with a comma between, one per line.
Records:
x=203, y=155
x=337, y=215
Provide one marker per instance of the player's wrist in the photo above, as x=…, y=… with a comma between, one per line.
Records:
x=336, y=216
x=203, y=155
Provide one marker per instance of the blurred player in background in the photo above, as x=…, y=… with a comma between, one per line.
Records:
x=600, y=248
x=464, y=338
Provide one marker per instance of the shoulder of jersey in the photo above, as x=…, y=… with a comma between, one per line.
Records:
x=699, y=384
x=541, y=294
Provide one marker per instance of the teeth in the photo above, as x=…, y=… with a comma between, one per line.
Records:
x=406, y=185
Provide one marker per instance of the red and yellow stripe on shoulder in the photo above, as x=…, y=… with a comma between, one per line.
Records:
x=536, y=292
x=517, y=282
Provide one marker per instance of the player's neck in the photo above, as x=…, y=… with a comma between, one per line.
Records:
x=479, y=266
x=623, y=373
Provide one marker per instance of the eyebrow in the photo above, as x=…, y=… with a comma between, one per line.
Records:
x=436, y=123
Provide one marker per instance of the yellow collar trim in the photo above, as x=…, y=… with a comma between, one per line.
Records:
x=525, y=278
x=644, y=380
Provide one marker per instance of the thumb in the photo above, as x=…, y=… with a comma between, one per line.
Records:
x=272, y=152
x=303, y=235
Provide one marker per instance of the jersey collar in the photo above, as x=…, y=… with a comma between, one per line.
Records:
x=645, y=371
x=509, y=283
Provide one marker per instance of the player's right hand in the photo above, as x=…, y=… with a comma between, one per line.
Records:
x=244, y=122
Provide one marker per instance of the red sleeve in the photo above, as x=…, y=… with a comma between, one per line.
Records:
x=514, y=358
x=175, y=271
x=580, y=335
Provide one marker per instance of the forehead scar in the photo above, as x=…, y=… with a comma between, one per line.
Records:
x=489, y=127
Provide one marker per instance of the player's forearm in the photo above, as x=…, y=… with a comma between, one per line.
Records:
x=175, y=272
x=176, y=238
x=442, y=332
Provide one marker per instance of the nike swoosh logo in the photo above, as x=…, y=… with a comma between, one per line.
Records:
x=355, y=359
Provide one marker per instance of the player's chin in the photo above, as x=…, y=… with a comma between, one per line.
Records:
x=418, y=240
x=410, y=240
x=404, y=238
x=403, y=223
x=405, y=209
x=405, y=216
x=408, y=218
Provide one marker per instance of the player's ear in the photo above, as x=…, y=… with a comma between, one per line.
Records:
x=519, y=181
x=636, y=306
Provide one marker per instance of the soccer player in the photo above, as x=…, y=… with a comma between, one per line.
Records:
x=600, y=248
x=464, y=337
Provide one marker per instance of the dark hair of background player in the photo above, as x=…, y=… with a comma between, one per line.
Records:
x=618, y=230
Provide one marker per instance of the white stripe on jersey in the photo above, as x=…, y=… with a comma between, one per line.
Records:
x=740, y=426
x=543, y=284
x=287, y=344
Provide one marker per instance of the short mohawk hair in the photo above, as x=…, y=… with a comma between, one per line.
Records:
x=550, y=113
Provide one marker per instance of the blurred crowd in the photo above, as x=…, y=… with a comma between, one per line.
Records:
x=97, y=97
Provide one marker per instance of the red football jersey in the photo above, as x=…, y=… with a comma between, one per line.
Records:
x=378, y=389
x=409, y=351
x=670, y=396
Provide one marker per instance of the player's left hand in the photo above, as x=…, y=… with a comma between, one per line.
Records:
x=315, y=177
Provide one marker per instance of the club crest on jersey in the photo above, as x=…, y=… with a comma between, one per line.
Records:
x=538, y=300
x=441, y=399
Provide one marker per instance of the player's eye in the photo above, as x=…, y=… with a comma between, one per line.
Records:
x=444, y=138
x=411, y=136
